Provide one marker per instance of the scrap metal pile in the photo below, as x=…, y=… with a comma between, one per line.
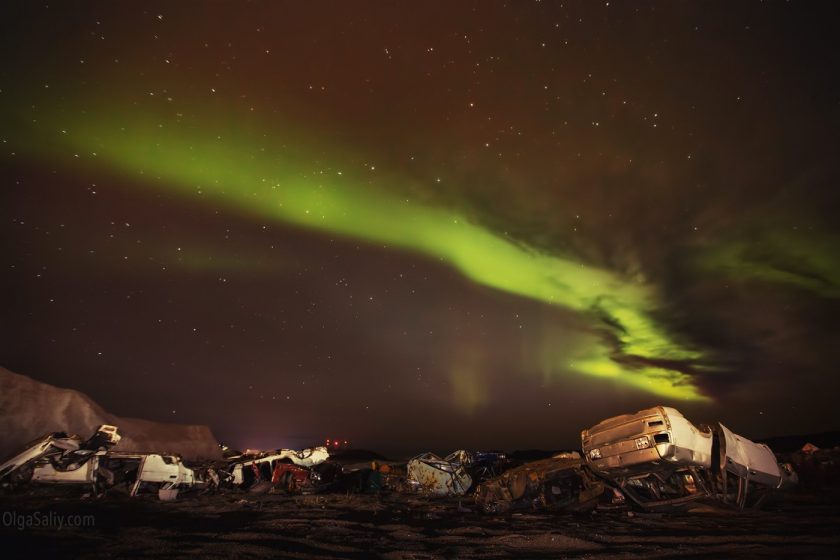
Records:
x=653, y=459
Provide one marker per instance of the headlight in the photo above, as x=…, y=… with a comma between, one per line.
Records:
x=595, y=454
x=642, y=442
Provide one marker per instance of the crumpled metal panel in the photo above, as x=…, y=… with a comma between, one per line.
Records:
x=438, y=477
x=169, y=469
x=753, y=461
x=306, y=457
x=35, y=450
x=77, y=473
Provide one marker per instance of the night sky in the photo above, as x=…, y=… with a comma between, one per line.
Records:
x=424, y=225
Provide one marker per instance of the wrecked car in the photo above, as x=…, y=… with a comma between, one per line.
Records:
x=148, y=471
x=429, y=474
x=324, y=476
x=61, y=459
x=57, y=458
x=246, y=474
x=303, y=458
x=306, y=457
x=659, y=459
x=562, y=482
x=288, y=470
x=817, y=468
x=294, y=479
x=378, y=477
x=484, y=465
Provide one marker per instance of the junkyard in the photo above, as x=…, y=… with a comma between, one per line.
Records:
x=649, y=483
x=419, y=280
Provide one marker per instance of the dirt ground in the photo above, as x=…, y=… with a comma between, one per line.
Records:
x=236, y=524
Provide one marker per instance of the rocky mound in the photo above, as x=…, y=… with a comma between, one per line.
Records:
x=29, y=409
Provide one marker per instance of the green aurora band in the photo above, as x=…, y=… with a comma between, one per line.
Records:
x=806, y=262
x=237, y=165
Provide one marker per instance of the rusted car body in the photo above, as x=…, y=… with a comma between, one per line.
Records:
x=453, y=475
x=659, y=459
x=562, y=482
x=434, y=476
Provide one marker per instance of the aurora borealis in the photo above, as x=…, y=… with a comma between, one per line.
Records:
x=493, y=215
x=281, y=189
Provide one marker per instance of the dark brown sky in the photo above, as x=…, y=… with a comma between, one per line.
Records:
x=686, y=149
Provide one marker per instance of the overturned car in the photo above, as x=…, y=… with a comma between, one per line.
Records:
x=659, y=459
